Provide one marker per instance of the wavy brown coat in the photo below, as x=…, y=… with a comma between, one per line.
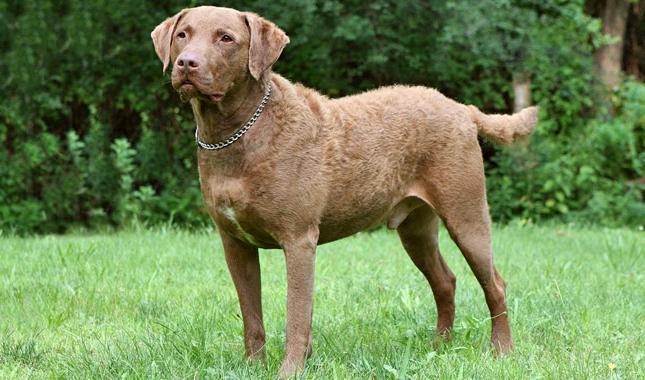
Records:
x=313, y=170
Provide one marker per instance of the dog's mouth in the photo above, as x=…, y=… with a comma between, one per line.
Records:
x=188, y=89
x=187, y=86
x=215, y=97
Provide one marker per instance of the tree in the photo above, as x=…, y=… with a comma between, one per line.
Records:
x=609, y=56
x=634, y=52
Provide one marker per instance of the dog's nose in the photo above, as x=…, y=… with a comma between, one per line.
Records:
x=188, y=61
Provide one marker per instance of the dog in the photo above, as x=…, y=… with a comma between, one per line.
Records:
x=282, y=166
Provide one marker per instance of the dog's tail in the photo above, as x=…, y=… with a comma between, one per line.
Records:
x=505, y=129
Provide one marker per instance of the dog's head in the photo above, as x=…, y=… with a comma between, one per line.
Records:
x=214, y=49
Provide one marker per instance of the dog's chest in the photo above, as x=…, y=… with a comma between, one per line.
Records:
x=233, y=226
x=229, y=203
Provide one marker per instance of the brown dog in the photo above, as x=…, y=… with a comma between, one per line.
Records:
x=311, y=170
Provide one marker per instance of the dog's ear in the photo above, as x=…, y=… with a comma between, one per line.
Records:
x=266, y=44
x=162, y=37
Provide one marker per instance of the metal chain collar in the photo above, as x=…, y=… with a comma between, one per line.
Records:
x=240, y=132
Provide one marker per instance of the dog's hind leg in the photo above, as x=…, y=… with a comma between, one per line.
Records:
x=418, y=233
x=459, y=198
x=474, y=241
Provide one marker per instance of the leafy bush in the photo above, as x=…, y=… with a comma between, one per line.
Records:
x=593, y=173
x=91, y=134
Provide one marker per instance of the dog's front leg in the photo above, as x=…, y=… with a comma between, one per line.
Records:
x=244, y=264
x=300, y=254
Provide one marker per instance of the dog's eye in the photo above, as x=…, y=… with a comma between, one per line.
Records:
x=227, y=38
x=181, y=35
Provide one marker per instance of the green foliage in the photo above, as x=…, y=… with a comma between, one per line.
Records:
x=91, y=134
x=592, y=173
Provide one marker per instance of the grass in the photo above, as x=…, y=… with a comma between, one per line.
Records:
x=160, y=304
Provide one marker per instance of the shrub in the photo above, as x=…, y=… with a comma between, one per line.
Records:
x=91, y=133
x=593, y=173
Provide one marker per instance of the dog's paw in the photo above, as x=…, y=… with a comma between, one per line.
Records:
x=441, y=340
x=290, y=369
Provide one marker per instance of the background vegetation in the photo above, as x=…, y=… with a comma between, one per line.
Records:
x=92, y=135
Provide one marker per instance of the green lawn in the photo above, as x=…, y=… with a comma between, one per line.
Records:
x=160, y=304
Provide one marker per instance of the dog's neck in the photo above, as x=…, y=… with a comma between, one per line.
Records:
x=218, y=121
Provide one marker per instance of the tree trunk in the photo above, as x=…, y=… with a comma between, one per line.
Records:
x=609, y=58
x=521, y=92
x=634, y=54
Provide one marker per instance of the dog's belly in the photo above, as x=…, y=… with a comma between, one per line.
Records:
x=331, y=228
x=392, y=213
x=237, y=224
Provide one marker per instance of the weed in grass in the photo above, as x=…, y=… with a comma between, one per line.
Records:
x=20, y=351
